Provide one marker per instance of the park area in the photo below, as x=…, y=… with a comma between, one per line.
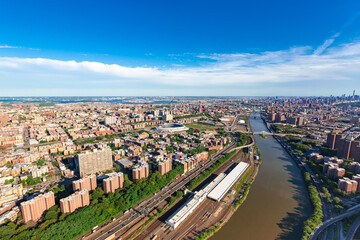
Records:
x=201, y=126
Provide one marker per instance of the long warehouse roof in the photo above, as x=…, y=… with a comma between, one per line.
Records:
x=192, y=203
x=221, y=189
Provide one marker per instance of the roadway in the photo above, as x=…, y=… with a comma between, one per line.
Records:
x=140, y=210
x=331, y=221
x=353, y=229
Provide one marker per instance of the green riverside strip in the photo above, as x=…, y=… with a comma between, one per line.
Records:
x=317, y=216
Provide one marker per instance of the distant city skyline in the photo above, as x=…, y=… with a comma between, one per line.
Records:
x=187, y=48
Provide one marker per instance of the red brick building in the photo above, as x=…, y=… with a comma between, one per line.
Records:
x=33, y=209
x=113, y=182
x=87, y=182
x=75, y=201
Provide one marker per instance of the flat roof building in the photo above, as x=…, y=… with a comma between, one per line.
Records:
x=96, y=161
x=165, y=166
x=87, y=182
x=113, y=182
x=223, y=187
x=140, y=170
x=75, y=201
x=33, y=209
x=185, y=210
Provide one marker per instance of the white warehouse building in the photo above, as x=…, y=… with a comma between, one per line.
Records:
x=223, y=187
x=192, y=203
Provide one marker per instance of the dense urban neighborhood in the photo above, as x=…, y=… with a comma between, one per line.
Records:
x=81, y=169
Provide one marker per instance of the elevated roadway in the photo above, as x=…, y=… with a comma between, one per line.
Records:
x=351, y=211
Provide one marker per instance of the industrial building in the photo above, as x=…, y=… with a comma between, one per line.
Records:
x=223, y=187
x=192, y=203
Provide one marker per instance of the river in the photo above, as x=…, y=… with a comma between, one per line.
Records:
x=278, y=202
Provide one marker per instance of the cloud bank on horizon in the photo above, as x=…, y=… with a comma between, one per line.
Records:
x=219, y=74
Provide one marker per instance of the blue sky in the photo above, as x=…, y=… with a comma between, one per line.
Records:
x=209, y=48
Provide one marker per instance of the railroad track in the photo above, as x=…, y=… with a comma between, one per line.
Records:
x=154, y=200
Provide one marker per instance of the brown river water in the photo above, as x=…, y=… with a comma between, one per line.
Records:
x=278, y=202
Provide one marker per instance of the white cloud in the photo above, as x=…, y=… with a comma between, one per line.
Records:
x=7, y=46
x=326, y=44
x=298, y=64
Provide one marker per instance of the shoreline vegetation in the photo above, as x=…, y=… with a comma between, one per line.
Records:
x=317, y=215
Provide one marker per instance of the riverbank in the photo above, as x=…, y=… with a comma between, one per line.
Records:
x=317, y=201
x=277, y=202
x=236, y=204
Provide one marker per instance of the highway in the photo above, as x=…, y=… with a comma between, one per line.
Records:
x=352, y=231
x=140, y=210
x=331, y=221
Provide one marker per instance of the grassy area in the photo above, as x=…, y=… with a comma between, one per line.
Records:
x=201, y=126
x=208, y=233
x=242, y=138
x=327, y=151
x=288, y=129
x=258, y=153
x=246, y=192
x=300, y=146
x=244, y=179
